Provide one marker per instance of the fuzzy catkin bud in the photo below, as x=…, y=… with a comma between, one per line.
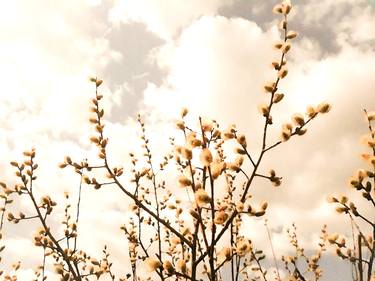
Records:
x=324, y=108
x=287, y=127
x=285, y=135
x=239, y=160
x=226, y=252
x=167, y=265
x=361, y=174
x=241, y=139
x=240, y=206
x=228, y=134
x=311, y=112
x=181, y=264
x=202, y=197
x=272, y=173
x=277, y=98
x=243, y=247
x=371, y=116
x=184, y=181
x=278, y=9
x=68, y=160
x=216, y=169
x=98, y=82
x=220, y=217
x=59, y=269
x=341, y=210
x=194, y=214
x=239, y=150
x=286, y=7
x=282, y=73
x=234, y=167
x=269, y=87
x=264, y=110
x=298, y=119
x=368, y=140
x=207, y=125
x=187, y=153
x=192, y=141
x=291, y=35
x=278, y=46
x=206, y=157
x=275, y=65
x=152, y=264
x=180, y=125
x=331, y=199
x=184, y=112
x=264, y=205
x=285, y=48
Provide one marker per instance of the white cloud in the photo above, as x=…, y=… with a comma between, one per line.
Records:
x=46, y=57
x=315, y=12
x=345, y=20
x=164, y=18
x=217, y=68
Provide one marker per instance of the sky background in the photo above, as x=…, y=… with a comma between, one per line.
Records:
x=212, y=56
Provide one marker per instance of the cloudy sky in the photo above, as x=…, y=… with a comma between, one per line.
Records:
x=212, y=56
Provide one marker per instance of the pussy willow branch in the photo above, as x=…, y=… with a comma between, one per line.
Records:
x=372, y=252
x=211, y=248
x=360, y=261
x=257, y=163
x=263, y=273
x=273, y=251
x=359, y=232
x=153, y=178
x=58, y=248
x=224, y=261
x=372, y=256
x=298, y=272
x=238, y=263
x=357, y=214
x=76, y=274
x=231, y=246
x=129, y=194
x=233, y=228
x=139, y=229
x=213, y=228
x=203, y=228
x=44, y=263
x=293, y=134
x=371, y=130
x=196, y=225
x=3, y=214
x=145, y=208
x=78, y=210
x=354, y=268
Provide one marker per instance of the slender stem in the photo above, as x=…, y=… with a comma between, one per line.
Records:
x=298, y=273
x=3, y=214
x=354, y=268
x=44, y=263
x=257, y=163
x=273, y=251
x=49, y=234
x=360, y=268
x=78, y=210
x=372, y=257
x=128, y=193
